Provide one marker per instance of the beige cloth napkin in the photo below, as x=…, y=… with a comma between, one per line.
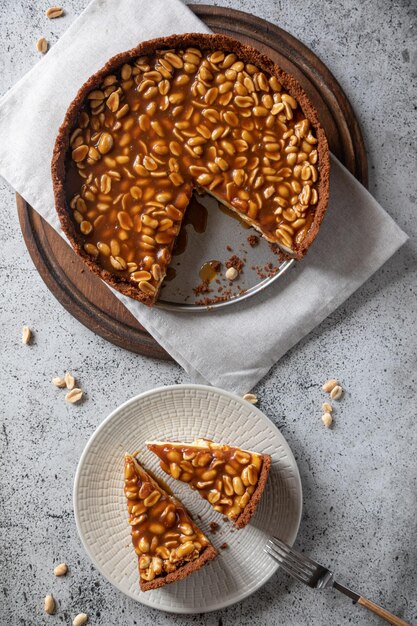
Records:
x=234, y=347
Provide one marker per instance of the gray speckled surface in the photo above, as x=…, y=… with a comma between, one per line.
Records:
x=359, y=479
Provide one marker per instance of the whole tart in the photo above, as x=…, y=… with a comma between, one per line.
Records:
x=172, y=115
x=168, y=544
x=232, y=480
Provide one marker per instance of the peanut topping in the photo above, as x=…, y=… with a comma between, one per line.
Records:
x=223, y=475
x=163, y=534
x=163, y=124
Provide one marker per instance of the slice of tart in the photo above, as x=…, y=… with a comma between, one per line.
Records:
x=168, y=543
x=176, y=114
x=230, y=478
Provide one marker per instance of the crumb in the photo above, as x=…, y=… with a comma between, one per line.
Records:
x=235, y=262
x=214, y=527
x=282, y=256
x=203, y=287
x=266, y=271
x=229, y=248
x=223, y=298
x=253, y=240
x=224, y=546
x=225, y=518
x=216, y=265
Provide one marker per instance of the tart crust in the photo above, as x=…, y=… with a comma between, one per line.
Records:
x=202, y=41
x=207, y=555
x=247, y=513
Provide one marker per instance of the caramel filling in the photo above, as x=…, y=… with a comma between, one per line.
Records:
x=223, y=475
x=163, y=534
x=164, y=124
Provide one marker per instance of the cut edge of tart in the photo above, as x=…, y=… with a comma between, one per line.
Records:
x=168, y=543
x=231, y=479
x=141, y=277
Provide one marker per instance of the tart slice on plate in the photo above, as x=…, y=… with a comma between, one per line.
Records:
x=168, y=543
x=231, y=479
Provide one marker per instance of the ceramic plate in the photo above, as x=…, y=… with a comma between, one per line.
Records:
x=185, y=412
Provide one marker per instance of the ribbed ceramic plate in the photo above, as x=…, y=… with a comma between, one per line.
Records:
x=185, y=412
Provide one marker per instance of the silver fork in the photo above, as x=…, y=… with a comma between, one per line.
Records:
x=319, y=577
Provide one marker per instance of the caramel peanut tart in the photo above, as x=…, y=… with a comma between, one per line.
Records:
x=176, y=114
x=168, y=543
x=231, y=479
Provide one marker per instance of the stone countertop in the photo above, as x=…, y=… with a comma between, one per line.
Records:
x=359, y=478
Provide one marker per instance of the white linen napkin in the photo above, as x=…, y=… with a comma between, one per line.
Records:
x=234, y=347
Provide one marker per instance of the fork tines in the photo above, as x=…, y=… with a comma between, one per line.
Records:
x=294, y=563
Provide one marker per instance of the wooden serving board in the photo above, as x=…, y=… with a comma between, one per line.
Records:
x=81, y=292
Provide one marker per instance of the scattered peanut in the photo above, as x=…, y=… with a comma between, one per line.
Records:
x=231, y=273
x=327, y=419
x=49, y=604
x=26, y=334
x=54, y=12
x=329, y=385
x=336, y=392
x=327, y=408
x=61, y=569
x=74, y=395
x=80, y=619
x=69, y=380
x=58, y=381
x=42, y=45
x=251, y=398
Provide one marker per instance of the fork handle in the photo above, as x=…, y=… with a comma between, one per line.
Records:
x=378, y=610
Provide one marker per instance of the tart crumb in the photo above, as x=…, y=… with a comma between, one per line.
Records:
x=235, y=262
x=282, y=256
x=266, y=271
x=203, y=287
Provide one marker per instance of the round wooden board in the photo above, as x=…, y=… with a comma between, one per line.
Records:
x=81, y=292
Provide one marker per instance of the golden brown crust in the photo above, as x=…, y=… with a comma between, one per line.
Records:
x=247, y=513
x=208, y=554
x=203, y=41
